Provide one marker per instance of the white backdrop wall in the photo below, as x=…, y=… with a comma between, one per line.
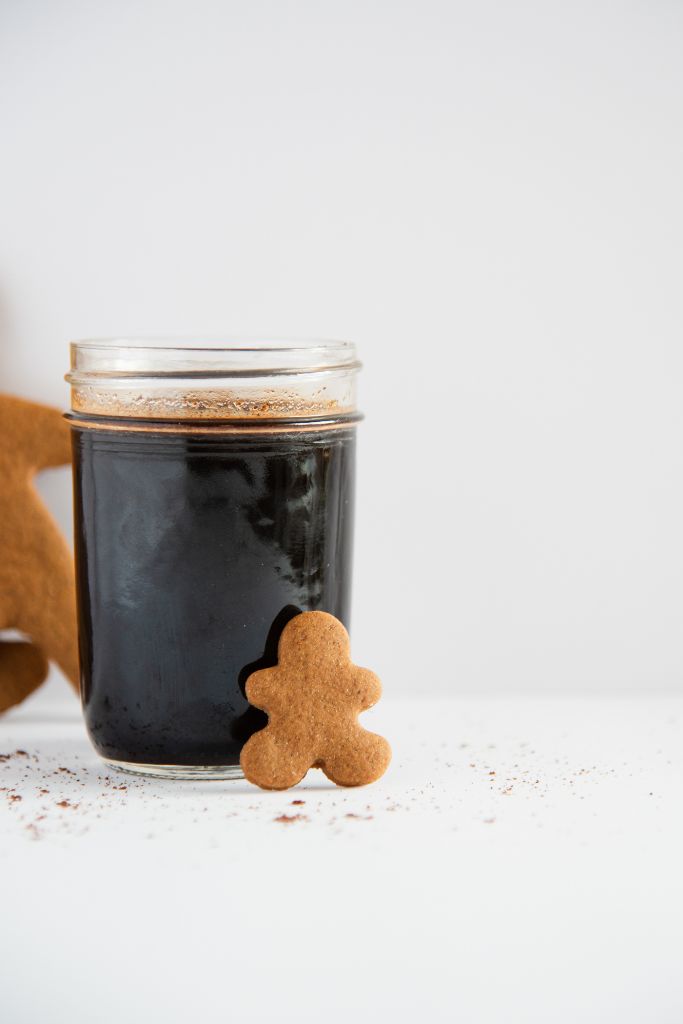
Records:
x=485, y=196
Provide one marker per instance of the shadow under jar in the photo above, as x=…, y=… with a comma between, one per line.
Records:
x=213, y=500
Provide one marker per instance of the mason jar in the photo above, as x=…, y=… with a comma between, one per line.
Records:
x=213, y=501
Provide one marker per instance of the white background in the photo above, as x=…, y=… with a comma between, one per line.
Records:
x=486, y=197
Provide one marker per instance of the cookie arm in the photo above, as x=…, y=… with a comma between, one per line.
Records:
x=261, y=688
x=34, y=435
x=368, y=686
x=48, y=437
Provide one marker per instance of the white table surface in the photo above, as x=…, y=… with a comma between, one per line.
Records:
x=522, y=860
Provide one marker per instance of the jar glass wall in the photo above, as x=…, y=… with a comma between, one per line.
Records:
x=213, y=500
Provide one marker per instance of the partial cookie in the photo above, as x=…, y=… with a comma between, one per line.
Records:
x=313, y=697
x=37, y=587
x=23, y=667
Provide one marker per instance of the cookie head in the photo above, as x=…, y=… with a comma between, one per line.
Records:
x=314, y=638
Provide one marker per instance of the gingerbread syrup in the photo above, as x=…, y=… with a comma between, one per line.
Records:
x=194, y=547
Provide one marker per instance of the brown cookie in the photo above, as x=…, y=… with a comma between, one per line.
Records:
x=37, y=589
x=313, y=697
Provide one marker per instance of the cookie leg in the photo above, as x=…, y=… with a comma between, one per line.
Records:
x=23, y=667
x=271, y=763
x=361, y=758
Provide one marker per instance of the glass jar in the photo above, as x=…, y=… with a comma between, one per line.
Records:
x=213, y=500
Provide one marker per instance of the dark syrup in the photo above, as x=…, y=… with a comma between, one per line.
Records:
x=192, y=553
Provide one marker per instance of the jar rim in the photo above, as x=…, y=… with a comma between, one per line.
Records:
x=203, y=356
x=221, y=378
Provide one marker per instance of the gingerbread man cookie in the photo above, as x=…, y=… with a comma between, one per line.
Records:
x=313, y=697
x=37, y=588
